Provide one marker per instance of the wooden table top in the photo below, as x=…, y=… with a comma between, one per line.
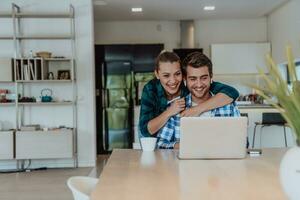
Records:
x=133, y=174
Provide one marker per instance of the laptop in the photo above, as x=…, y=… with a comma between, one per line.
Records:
x=213, y=137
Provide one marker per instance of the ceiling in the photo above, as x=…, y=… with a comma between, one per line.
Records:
x=183, y=9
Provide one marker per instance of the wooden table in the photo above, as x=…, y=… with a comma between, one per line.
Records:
x=137, y=175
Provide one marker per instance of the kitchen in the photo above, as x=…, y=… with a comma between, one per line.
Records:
x=142, y=28
x=278, y=26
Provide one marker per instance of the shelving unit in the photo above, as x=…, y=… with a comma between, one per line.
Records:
x=41, y=144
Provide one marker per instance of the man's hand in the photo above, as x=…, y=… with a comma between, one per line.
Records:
x=176, y=107
x=176, y=146
x=191, y=112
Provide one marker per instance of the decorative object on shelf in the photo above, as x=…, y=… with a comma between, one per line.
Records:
x=50, y=76
x=27, y=99
x=46, y=95
x=289, y=106
x=58, y=57
x=30, y=54
x=3, y=98
x=251, y=98
x=44, y=54
x=31, y=127
x=63, y=75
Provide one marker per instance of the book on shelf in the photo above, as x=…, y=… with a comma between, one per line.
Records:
x=26, y=73
x=17, y=71
x=32, y=74
x=22, y=70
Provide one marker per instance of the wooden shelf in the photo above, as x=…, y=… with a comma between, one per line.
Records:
x=41, y=37
x=45, y=103
x=6, y=37
x=6, y=15
x=7, y=104
x=44, y=81
x=43, y=15
x=45, y=37
x=8, y=82
x=58, y=59
x=36, y=15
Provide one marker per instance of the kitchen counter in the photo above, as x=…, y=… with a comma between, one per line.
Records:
x=255, y=106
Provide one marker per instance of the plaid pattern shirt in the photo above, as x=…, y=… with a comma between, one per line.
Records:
x=154, y=101
x=170, y=133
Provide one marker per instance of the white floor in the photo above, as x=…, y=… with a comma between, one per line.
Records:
x=43, y=185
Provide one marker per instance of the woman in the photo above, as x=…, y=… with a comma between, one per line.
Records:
x=168, y=87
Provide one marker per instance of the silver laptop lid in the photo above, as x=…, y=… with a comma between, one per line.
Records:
x=213, y=137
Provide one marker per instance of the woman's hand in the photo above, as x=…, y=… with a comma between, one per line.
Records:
x=176, y=107
x=191, y=112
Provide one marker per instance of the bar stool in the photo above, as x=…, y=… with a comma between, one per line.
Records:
x=270, y=119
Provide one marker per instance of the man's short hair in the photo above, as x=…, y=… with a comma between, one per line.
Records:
x=197, y=60
x=166, y=56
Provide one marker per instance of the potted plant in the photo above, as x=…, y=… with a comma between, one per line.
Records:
x=288, y=103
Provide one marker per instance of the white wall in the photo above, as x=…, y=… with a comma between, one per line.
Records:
x=86, y=81
x=209, y=32
x=85, y=67
x=284, y=29
x=168, y=32
x=135, y=32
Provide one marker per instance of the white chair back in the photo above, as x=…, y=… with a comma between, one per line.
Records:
x=82, y=186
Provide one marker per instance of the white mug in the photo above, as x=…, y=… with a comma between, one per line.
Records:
x=148, y=143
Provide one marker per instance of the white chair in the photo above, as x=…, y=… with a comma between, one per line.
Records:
x=82, y=186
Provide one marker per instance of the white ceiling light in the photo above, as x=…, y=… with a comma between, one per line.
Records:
x=137, y=9
x=209, y=8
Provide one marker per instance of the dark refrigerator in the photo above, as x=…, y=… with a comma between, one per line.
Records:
x=117, y=104
x=117, y=91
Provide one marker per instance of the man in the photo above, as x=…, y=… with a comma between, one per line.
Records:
x=198, y=70
x=167, y=87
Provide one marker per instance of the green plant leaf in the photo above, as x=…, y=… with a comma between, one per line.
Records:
x=288, y=100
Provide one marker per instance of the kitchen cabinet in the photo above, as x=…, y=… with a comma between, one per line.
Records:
x=6, y=145
x=44, y=144
x=240, y=58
